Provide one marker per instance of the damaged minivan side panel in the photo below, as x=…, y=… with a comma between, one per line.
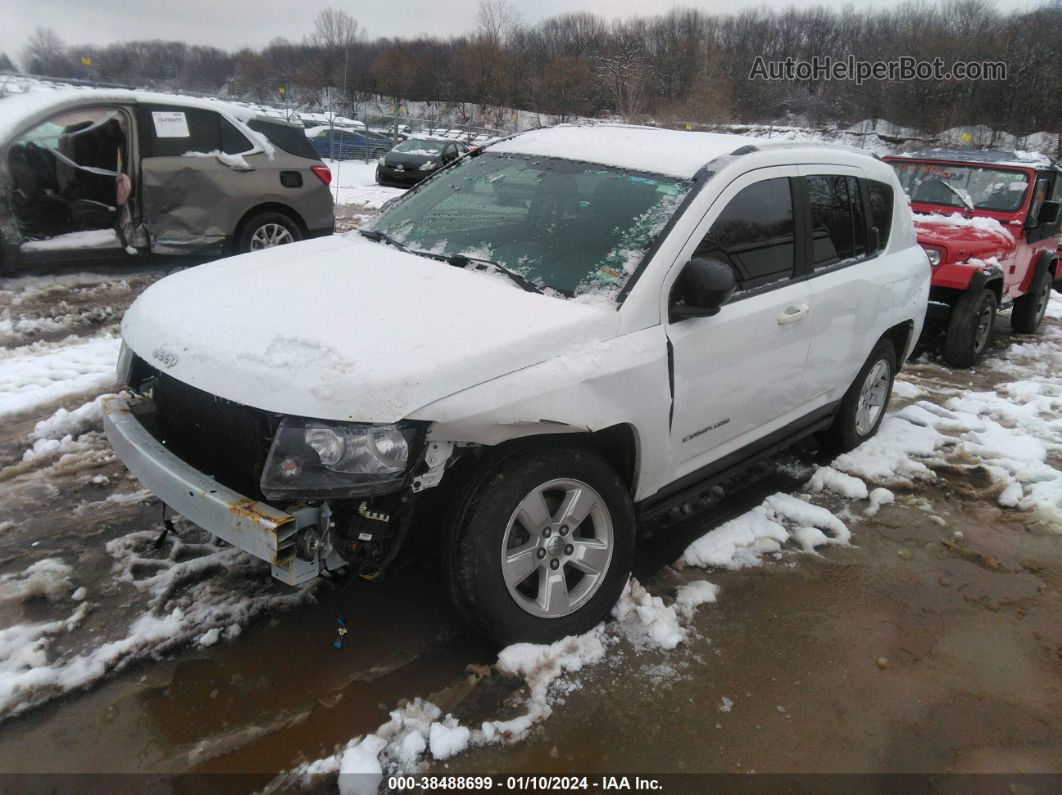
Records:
x=187, y=187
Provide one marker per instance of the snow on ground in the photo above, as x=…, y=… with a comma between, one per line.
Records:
x=354, y=182
x=191, y=592
x=32, y=379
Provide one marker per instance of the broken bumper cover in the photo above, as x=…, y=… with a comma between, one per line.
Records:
x=255, y=527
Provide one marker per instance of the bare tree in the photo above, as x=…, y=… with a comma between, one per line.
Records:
x=495, y=19
x=45, y=53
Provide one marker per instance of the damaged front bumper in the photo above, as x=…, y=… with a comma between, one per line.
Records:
x=292, y=543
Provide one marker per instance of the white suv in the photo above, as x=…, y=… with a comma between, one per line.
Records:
x=540, y=345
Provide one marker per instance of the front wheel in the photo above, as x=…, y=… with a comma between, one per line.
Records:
x=970, y=328
x=863, y=407
x=541, y=543
x=268, y=230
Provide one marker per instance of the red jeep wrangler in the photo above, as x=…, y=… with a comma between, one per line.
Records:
x=989, y=222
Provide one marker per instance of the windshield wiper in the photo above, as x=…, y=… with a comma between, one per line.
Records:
x=462, y=260
x=376, y=236
x=965, y=201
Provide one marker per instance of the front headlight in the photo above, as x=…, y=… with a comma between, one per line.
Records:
x=313, y=458
x=428, y=166
x=933, y=254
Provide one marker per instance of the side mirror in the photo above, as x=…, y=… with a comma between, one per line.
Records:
x=1049, y=212
x=704, y=285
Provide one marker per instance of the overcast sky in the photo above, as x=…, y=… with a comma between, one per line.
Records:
x=231, y=24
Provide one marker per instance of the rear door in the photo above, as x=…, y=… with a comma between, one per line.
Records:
x=738, y=376
x=189, y=177
x=854, y=283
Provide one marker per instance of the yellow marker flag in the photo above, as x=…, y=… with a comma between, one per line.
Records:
x=966, y=138
x=86, y=60
x=282, y=90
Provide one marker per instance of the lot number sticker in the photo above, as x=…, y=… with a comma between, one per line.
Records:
x=170, y=124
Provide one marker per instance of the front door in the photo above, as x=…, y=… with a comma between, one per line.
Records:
x=738, y=376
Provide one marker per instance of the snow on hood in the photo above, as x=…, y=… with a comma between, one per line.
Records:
x=342, y=328
x=934, y=227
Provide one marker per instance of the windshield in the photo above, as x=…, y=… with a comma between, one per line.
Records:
x=968, y=187
x=574, y=227
x=418, y=146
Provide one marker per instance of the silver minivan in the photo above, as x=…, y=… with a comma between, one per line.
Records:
x=104, y=174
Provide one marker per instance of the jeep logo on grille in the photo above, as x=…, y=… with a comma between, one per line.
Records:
x=164, y=357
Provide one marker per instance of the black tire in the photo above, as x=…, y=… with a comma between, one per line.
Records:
x=849, y=429
x=260, y=223
x=1029, y=309
x=478, y=521
x=966, y=339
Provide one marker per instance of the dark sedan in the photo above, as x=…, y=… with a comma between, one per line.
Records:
x=416, y=159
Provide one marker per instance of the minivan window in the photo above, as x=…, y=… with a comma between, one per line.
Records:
x=755, y=234
x=838, y=227
x=287, y=137
x=168, y=131
x=568, y=225
x=880, y=195
x=233, y=142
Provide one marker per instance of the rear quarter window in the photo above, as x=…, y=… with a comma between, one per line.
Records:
x=286, y=137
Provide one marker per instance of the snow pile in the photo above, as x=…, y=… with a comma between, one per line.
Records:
x=66, y=432
x=37, y=378
x=838, y=482
x=878, y=497
x=195, y=592
x=48, y=578
x=645, y=620
x=979, y=222
x=742, y=542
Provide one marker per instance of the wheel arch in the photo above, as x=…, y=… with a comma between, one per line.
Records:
x=901, y=337
x=268, y=207
x=618, y=444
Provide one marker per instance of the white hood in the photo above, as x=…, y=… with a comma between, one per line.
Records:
x=342, y=328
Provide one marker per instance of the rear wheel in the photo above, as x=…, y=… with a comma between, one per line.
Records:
x=1029, y=310
x=970, y=328
x=541, y=543
x=863, y=407
x=268, y=230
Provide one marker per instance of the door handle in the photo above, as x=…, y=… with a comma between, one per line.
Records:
x=791, y=314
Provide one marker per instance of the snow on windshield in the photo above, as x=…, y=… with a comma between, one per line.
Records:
x=573, y=227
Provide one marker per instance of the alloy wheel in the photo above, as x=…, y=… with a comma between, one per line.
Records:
x=557, y=548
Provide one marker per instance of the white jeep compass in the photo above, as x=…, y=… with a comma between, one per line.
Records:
x=537, y=347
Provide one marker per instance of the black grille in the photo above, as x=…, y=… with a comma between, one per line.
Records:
x=225, y=440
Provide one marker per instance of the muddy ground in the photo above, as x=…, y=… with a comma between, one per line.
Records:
x=933, y=644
